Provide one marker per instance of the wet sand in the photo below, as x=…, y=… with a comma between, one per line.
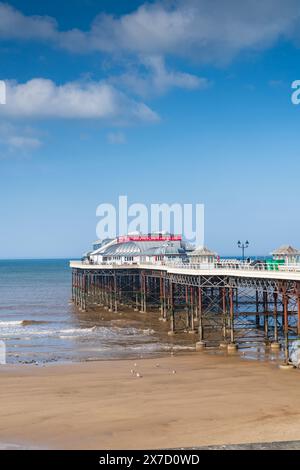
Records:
x=210, y=400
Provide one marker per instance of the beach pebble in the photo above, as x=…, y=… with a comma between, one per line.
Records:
x=135, y=364
x=157, y=365
x=132, y=371
x=139, y=375
x=174, y=372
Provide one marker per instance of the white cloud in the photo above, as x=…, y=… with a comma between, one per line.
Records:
x=206, y=30
x=116, y=138
x=153, y=77
x=16, y=138
x=15, y=25
x=23, y=142
x=41, y=98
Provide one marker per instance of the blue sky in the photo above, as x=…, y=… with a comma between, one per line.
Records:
x=165, y=101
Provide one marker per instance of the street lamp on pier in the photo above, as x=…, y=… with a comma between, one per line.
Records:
x=243, y=246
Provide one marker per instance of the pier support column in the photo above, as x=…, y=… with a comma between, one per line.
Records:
x=161, y=297
x=224, y=343
x=164, y=300
x=73, y=293
x=110, y=294
x=106, y=287
x=257, y=309
x=201, y=343
x=102, y=290
x=74, y=286
x=196, y=304
x=136, y=286
x=187, y=308
x=172, y=311
x=80, y=289
x=285, y=302
x=83, y=292
x=115, y=293
x=266, y=317
x=232, y=346
x=97, y=281
x=192, y=311
x=275, y=345
x=143, y=293
x=286, y=327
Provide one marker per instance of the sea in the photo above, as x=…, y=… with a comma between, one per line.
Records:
x=39, y=324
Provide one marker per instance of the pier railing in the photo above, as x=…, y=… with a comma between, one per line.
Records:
x=237, y=266
x=219, y=265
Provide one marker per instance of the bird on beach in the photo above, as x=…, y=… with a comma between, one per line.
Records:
x=139, y=375
x=174, y=372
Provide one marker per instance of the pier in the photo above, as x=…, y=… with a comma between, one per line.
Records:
x=223, y=305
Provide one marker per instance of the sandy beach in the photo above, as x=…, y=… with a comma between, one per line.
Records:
x=210, y=400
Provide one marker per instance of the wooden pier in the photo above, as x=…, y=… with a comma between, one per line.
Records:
x=222, y=306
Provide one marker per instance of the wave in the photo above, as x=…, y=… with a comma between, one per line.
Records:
x=178, y=347
x=148, y=332
x=23, y=323
x=10, y=323
x=28, y=330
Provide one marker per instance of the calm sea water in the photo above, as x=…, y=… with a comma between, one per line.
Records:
x=38, y=323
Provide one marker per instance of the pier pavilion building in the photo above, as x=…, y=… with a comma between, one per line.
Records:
x=137, y=249
x=287, y=253
x=202, y=255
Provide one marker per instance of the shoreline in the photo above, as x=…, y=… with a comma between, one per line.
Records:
x=208, y=401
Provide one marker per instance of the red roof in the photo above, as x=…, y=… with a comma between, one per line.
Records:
x=149, y=238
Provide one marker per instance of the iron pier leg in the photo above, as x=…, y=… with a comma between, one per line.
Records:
x=286, y=327
x=192, y=312
x=224, y=344
x=172, y=312
x=164, y=300
x=266, y=318
x=115, y=292
x=257, y=309
x=275, y=344
x=161, y=298
x=201, y=343
x=232, y=346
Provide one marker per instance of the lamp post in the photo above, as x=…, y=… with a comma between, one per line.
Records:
x=243, y=246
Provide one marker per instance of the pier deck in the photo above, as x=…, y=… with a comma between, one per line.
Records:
x=227, y=306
